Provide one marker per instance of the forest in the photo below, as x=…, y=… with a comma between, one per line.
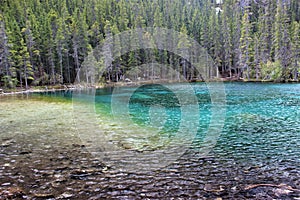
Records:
x=44, y=42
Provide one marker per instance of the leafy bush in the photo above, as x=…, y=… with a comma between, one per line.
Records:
x=9, y=82
x=271, y=71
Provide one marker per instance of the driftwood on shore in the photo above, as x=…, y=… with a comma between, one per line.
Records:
x=41, y=89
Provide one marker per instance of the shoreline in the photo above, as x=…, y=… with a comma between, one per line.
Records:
x=39, y=89
x=55, y=88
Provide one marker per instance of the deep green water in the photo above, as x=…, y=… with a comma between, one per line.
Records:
x=258, y=144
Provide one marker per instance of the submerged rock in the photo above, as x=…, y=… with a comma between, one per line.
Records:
x=11, y=193
x=44, y=196
x=65, y=195
x=7, y=142
x=271, y=190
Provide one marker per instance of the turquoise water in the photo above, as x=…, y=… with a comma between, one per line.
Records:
x=259, y=142
x=264, y=115
x=262, y=123
x=262, y=120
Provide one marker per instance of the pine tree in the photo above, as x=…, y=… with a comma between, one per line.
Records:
x=235, y=29
x=183, y=46
x=30, y=43
x=265, y=24
x=49, y=35
x=15, y=59
x=108, y=50
x=4, y=53
x=257, y=58
x=75, y=42
x=81, y=47
x=227, y=47
x=66, y=42
x=25, y=70
x=282, y=40
x=117, y=49
x=217, y=44
x=59, y=41
x=296, y=50
x=245, y=41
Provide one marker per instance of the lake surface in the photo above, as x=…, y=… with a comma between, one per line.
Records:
x=49, y=146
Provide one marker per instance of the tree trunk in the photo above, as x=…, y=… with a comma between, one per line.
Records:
x=68, y=67
x=25, y=75
x=60, y=64
x=52, y=66
x=75, y=48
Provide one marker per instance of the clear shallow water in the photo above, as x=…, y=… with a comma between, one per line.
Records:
x=262, y=120
x=259, y=144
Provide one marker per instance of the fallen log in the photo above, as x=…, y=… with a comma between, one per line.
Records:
x=271, y=185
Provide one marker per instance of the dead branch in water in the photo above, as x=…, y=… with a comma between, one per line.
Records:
x=271, y=185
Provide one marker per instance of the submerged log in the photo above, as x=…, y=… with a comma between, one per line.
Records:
x=44, y=196
x=249, y=187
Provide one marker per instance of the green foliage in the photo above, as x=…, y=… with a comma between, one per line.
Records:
x=42, y=80
x=54, y=37
x=271, y=71
x=9, y=82
x=245, y=42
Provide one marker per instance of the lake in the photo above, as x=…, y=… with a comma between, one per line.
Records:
x=231, y=141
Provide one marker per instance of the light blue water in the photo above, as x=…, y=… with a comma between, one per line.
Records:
x=262, y=120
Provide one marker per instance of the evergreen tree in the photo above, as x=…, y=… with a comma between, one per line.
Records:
x=226, y=42
x=4, y=53
x=50, y=27
x=30, y=43
x=59, y=41
x=25, y=69
x=108, y=50
x=282, y=40
x=183, y=46
x=296, y=50
x=14, y=44
x=245, y=41
x=257, y=58
x=235, y=29
x=243, y=37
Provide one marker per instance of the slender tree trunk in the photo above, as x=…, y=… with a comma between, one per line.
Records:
x=52, y=66
x=25, y=75
x=6, y=60
x=21, y=81
x=75, y=48
x=68, y=67
x=60, y=64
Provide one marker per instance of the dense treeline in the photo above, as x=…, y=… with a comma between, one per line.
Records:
x=45, y=41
